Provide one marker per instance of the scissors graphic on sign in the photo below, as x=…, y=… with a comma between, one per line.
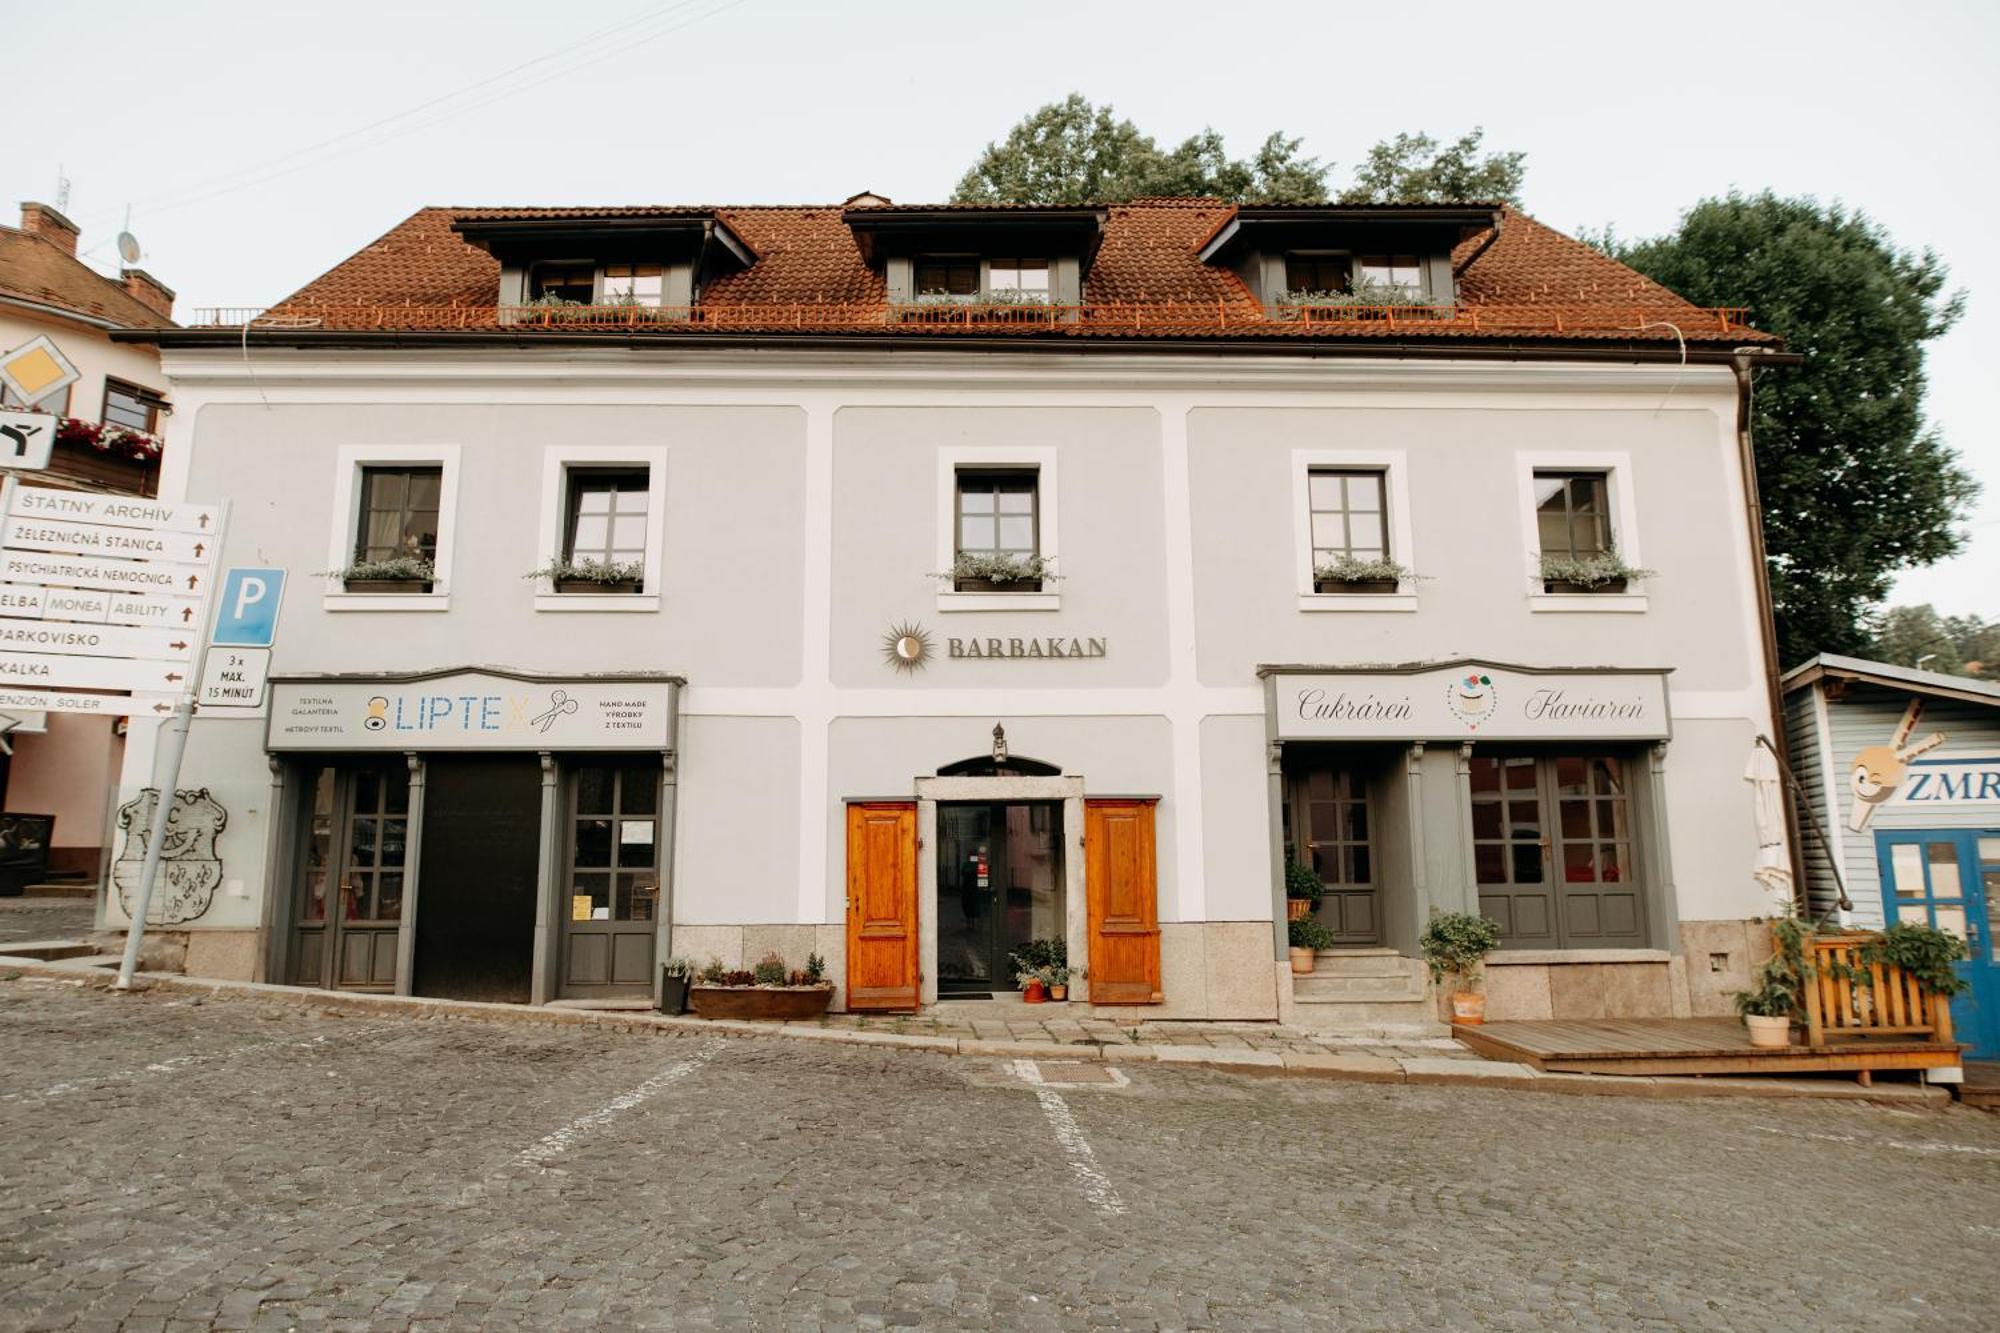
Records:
x=560, y=705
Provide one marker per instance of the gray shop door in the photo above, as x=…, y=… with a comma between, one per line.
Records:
x=352, y=876
x=610, y=898
x=1554, y=851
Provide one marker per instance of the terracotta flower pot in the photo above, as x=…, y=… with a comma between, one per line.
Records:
x=1302, y=962
x=1771, y=1033
x=1298, y=909
x=1059, y=993
x=1034, y=993
x=1468, y=1007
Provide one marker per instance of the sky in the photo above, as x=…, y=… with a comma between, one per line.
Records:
x=258, y=144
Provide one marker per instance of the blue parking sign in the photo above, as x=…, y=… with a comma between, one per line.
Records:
x=248, y=617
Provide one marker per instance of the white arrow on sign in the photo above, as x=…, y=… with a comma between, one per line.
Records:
x=56, y=636
x=108, y=705
x=123, y=511
x=87, y=571
x=29, y=601
x=49, y=671
x=66, y=538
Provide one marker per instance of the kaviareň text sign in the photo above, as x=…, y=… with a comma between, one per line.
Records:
x=1470, y=701
x=470, y=710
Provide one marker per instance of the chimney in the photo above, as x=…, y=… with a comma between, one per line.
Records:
x=43, y=221
x=149, y=291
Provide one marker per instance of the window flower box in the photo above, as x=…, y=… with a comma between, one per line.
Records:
x=1588, y=575
x=401, y=575
x=593, y=577
x=1348, y=575
x=999, y=573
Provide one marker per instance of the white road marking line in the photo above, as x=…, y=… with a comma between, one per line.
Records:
x=556, y=1144
x=174, y=1064
x=1096, y=1186
x=1869, y=1141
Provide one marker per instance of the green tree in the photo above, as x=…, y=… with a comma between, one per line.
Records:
x=1854, y=484
x=1956, y=645
x=1413, y=168
x=1071, y=152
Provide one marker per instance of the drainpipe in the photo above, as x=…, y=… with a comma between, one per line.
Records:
x=1743, y=361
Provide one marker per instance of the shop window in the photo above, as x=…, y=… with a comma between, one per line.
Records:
x=1553, y=850
x=130, y=406
x=614, y=847
x=399, y=513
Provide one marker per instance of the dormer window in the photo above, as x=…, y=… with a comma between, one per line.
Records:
x=635, y=284
x=1316, y=273
x=947, y=277
x=1023, y=280
x=1403, y=272
x=575, y=282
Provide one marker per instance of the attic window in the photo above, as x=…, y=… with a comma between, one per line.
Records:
x=948, y=276
x=575, y=282
x=634, y=284
x=1401, y=271
x=1316, y=273
x=1028, y=277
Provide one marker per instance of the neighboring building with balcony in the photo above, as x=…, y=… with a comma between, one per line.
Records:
x=903, y=584
x=108, y=440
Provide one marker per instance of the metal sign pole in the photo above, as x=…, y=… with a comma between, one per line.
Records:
x=177, y=736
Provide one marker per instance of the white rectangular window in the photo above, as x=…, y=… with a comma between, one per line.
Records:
x=1403, y=272
x=1351, y=526
x=602, y=527
x=634, y=284
x=394, y=516
x=1024, y=280
x=996, y=518
x=1579, y=527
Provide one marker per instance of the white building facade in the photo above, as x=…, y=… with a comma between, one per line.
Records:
x=783, y=731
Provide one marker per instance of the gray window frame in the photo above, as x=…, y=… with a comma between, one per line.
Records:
x=576, y=484
x=1601, y=477
x=370, y=472
x=1346, y=512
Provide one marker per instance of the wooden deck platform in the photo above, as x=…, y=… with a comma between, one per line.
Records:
x=1691, y=1046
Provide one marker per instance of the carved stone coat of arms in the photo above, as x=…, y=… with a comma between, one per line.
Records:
x=190, y=870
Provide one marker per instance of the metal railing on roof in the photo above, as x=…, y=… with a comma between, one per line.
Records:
x=1167, y=317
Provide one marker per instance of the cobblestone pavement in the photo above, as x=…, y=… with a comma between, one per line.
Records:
x=28, y=918
x=167, y=1162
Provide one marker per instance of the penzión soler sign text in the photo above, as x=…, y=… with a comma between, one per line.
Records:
x=1471, y=701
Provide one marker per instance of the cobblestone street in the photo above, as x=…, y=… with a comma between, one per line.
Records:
x=175, y=1163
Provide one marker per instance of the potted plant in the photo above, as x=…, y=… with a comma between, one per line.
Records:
x=1603, y=573
x=999, y=572
x=1057, y=978
x=1347, y=574
x=396, y=574
x=1456, y=943
x=769, y=991
x=1364, y=298
x=675, y=976
x=1308, y=936
x=1303, y=889
x=1767, y=1011
x=592, y=576
x=1039, y=967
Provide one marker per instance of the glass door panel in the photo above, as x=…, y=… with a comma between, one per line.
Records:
x=611, y=898
x=967, y=900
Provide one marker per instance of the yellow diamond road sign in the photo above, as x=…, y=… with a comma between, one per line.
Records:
x=36, y=369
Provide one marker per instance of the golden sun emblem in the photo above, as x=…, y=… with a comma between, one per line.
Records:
x=907, y=647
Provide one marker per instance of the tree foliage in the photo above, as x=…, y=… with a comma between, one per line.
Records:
x=1855, y=485
x=1414, y=168
x=1956, y=645
x=1071, y=152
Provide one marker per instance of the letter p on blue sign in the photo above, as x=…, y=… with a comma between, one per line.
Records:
x=248, y=616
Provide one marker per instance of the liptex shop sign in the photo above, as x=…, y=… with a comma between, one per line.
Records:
x=1469, y=701
x=470, y=710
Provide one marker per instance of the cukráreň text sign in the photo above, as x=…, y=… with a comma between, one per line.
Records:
x=1469, y=701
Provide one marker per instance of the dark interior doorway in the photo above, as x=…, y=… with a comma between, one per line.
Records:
x=1000, y=884
x=476, y=909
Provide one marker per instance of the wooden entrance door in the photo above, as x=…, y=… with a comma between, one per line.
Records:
x=611, y=903
x=1121, y=884
x=1331, y=828
x=352, y=878
x=882, y=970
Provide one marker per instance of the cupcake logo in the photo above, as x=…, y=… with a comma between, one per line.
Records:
x=1471, y=698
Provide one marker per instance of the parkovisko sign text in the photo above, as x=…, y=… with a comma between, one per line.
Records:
x=1049, y=647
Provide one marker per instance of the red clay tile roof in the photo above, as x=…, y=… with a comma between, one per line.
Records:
x=1523, y=285
x=33, y=269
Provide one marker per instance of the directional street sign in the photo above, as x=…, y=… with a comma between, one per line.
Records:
x=125, y=511
x=234, y=678
x=27, y=439
x=102, y=592
x=108, y=705
x=248, y=615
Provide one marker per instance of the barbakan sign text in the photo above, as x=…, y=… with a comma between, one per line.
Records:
x=1049, y=647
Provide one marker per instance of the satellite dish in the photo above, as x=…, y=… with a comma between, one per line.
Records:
x=128, y=247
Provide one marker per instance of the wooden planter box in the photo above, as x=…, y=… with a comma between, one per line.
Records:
x=776, y=1004
x=1562, y=586
x=387, y=585
x=988, y=585
x=1356, y=585
x=591, y=586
